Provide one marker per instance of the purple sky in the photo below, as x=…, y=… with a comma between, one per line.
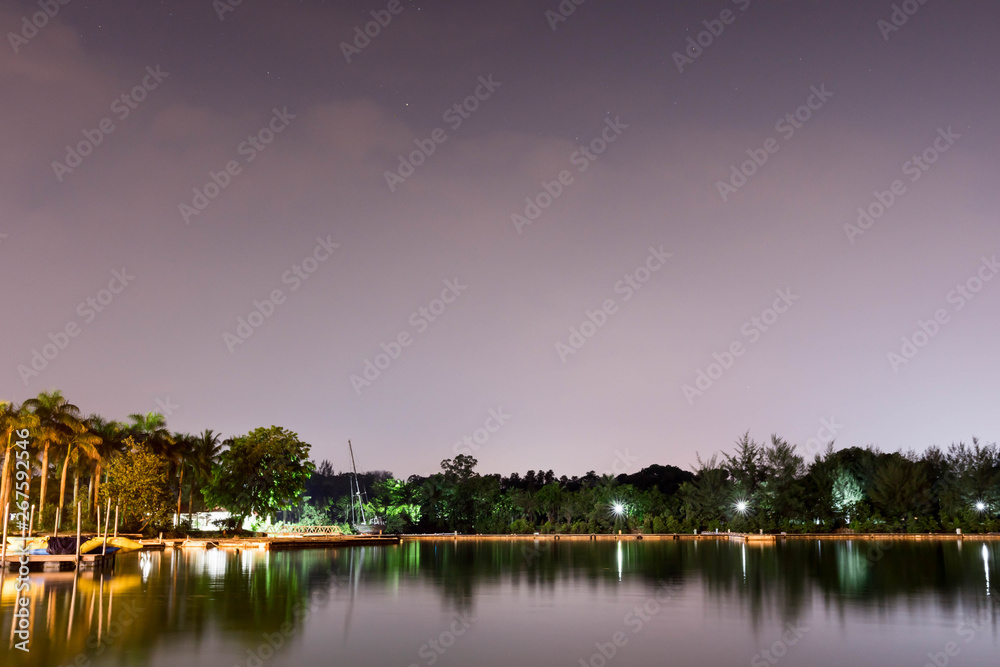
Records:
x=885, y=96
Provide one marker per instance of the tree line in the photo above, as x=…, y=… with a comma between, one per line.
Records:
x=756, y=486
x=147, y=473
x=152, y=475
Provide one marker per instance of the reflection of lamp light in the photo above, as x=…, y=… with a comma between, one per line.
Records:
x=986, y=566
x=620, y=559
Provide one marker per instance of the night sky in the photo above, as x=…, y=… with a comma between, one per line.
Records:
x=628, y=248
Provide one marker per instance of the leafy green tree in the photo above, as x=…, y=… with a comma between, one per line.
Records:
x=779, y=495
x=138, y=481
x=745, y=466
x=262, y=472
x=901, y=488
x=708, y=496
x=847, y=494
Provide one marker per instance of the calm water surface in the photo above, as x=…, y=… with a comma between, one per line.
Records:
x=521, y=602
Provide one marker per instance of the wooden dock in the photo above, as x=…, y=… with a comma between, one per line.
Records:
x=284, y=543
x=96, y=561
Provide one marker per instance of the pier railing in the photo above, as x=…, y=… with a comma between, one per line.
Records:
x=305, y=530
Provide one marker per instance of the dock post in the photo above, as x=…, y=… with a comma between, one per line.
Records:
x=77, y=546
x=116, y=520
x=3, y=558
x=31, y=522
x=107, y=518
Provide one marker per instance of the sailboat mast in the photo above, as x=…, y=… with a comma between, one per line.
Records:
x=357, y=484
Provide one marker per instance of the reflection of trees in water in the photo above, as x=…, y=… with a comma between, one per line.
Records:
x=851, y=575
x=781, y=580
x=242, y=595
x=192, y=594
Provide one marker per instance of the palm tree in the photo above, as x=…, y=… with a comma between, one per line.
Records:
x=57, y=418
x=80, y=442
x=12, y=418
x=112, y=435
x=203, y=456
x=151, y=428
x=184, y=444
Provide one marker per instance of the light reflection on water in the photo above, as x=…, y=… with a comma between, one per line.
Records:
x=501, y=602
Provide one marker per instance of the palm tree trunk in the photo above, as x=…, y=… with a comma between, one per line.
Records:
x=62, y=480
x=191, y=504
x=45, y=478
x=76, y=484
x=180, y=490
x=90, y=493
x=97, y=487
x=7, y=471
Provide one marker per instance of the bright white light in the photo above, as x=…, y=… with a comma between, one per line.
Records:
x=986, y=566
x=980, y=506
x=741, y=506
x=618, y=509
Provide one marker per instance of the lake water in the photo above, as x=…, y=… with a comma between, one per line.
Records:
x=524, y=602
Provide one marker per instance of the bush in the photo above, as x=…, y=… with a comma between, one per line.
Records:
x=522, y=527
